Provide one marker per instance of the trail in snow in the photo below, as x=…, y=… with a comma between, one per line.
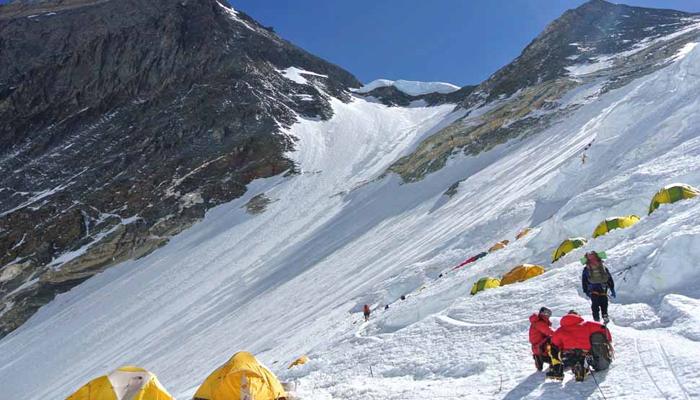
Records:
x=293, y=279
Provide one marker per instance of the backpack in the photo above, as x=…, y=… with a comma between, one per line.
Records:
x=601, y=352
x=598, y=274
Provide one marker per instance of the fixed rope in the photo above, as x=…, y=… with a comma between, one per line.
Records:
x=596, y=383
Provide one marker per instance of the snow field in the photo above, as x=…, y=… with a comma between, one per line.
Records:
x=290, y=281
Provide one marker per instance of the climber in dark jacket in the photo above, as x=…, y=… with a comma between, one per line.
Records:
x=596, y=281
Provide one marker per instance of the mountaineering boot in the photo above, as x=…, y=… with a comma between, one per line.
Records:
x=556, y=372
x=606, y=319
x=539, y=364
x=579, y=372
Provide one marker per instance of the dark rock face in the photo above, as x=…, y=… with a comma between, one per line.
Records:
x=123, y=121
x=525, y=96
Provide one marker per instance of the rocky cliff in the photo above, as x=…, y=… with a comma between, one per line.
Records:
x=124, y=120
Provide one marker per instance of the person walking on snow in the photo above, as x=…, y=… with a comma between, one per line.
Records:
x=540, y=334
x=596, y=280
x=577, y=343
x=366, y=311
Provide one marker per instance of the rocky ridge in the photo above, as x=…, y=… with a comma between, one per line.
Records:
x=124, y=121
x=599, y=45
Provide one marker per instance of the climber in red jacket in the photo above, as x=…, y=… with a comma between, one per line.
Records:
x=577, y=343
x=540, y=334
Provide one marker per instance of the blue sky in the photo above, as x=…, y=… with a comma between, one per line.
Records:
x=457, y=41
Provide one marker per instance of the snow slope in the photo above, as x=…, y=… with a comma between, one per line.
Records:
x=292, y=280
x=413, y=88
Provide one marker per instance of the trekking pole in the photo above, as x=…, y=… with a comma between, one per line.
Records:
x=596, y=382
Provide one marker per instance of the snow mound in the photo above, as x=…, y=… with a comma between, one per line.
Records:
x=412, y=88
x=296, y=74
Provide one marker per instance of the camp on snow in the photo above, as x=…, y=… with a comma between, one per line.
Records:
x=522, y=273
x=126, y=383
x=614, y=223
x=567, y=246
x=299, y=361
x=671, y=194
x=485, y=283
x=500, y=245
x=241, y=378
x=522, y=233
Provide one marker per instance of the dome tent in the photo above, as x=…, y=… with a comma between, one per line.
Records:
x=485, y=283
x=299, y=361
x=523, y=233
x=241, y=377
x=126, y=383
x=500, y=245
x=567, y=246
x=614, y=223
x=522, y=273
x=671, y=194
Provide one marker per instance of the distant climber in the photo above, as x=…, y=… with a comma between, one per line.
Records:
x=578, y=343
x=366, y=311
x=403, y=297
x=583, y=158
x=386, y=307
x=540, y=335
x=596, y=281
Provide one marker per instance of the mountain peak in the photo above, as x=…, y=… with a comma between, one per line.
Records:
x=593, y=29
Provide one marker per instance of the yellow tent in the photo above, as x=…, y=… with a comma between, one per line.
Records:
x=126, y=383
x=522, y=233
x=241, y=378
x=499, y=245
x=567, y=246
x=521, y=273
x=299, y=361
x=485, y=283
x=614, y=223
x=671, y=194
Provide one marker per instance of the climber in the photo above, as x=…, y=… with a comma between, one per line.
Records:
x=366, y=311
x=578, y=343
x=540, y=335
x=596, y=280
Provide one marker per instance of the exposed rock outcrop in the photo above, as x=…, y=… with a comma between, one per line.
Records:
x=123, y=121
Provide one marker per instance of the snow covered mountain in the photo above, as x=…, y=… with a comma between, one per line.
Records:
x=285, y=268
x=411, y=88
